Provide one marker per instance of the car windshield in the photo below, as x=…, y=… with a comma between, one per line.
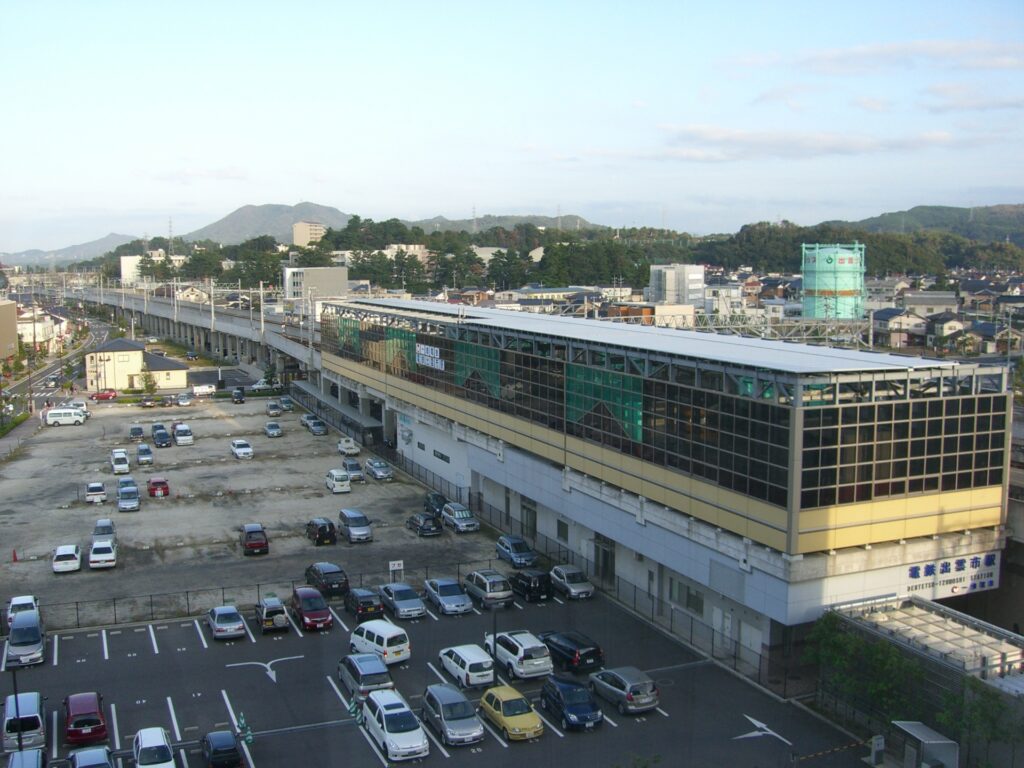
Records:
x=24, y=636
x=104, y=550
x=514, y=707
x=405, y=594
x=314, y=603
x=376, y=463
x=22, y=724
x=449, y=590
x=400, y=722
x=537, y=652
x=358, y=520
x=103, y=530
x=480, y=666
x=576, y=696
x=85, y=721
x=519, y=547
x=229, y=617
x=334, y=578
x=376, y=678
x=575, y=577
x=129, y=493
x=460, y=710
x=461, y=514
x=155, y=755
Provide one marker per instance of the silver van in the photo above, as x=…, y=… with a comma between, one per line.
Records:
x=27, y=718
x=28, y=758
x=452, y=716
x=26, y=642
x=361, y=673
x=354, y=525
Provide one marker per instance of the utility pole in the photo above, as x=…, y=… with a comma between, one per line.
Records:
x=32, y=356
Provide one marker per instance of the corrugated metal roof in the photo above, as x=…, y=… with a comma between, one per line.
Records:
x=737, y=350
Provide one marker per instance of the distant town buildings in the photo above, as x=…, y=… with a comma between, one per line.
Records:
x=677, y=284
x=305, y=233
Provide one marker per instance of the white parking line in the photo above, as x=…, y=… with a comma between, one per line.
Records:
x=234, y=724
x=199, y=631
x=434, y=670
x=435, y=619
x=247, y=631
x=177, y=731
x=476, y=611
x=426, y=730
x=610, y=722
x=3, y=661
x=557, y=600
x=492, y=732
x=517, y=605
x=661, y=711
x=56, y=648
x=362, y=730
x=103, y=634
x=53, y=732
x=550, y=725
x=152, y=636
x=294, y=625
x=337, y=618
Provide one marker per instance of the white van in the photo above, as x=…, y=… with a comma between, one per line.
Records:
x=204, y=390
x=337, y=481
x=26, y=716
x=388, y=641
x=57, y=417
x=182, y=435
x=471, y=665
x=80, y=405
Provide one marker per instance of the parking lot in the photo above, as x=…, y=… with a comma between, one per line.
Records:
x=171, y=672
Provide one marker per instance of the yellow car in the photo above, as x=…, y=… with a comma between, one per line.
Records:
x=510, y=711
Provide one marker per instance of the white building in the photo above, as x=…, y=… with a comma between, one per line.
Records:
x=677, y=284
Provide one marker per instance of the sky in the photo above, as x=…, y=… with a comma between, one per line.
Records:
x=136, y=117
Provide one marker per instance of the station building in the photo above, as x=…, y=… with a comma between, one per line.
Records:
x=751, y=483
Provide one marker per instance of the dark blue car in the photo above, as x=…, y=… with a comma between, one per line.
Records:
x=516, y=551
x=571, y=702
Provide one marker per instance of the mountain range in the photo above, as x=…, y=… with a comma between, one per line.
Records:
x=988, y=223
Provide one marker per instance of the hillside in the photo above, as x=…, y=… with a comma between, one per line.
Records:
x=251, y=221
x=67, y=254
x=986, y=224
x=483, y=223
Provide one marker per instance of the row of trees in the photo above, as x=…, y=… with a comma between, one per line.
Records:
x=597, y=256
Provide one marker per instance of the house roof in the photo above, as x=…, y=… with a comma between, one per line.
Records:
x=884, y=315
x=161, y=363
x=121, y=345
x=943, y=317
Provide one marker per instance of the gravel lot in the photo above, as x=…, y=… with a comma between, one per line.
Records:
x=189, y=540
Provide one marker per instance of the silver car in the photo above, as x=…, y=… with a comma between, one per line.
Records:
x=362, y=673
x=572, y=582
x=402, y=600
x=26, y=642
x=452, y=716
x=225, y=622
x=272, y=429
x=629, y=689
x=448, y=595
x=378, y=469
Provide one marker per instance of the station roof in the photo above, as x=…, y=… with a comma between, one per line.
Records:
x=789, y=357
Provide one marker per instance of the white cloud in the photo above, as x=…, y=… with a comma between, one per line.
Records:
x=870, y=104
x=955, y=97
x=192, y=175
x=787, y=95
x=951, y=54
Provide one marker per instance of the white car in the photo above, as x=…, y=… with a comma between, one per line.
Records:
x=348, y=447
x=392, y=725
x=241, y=449
x=19, y=604
x=103, y=554
x=337, y=481
x=66, y=558
x=522, y=653
x=152, y=748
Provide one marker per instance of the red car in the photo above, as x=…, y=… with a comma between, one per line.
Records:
x=83, y=718
x=310, y=608
x=158, y=487
x=104, y=394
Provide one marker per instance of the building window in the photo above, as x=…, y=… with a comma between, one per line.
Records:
x=695, y=601
x=529, y=512
x=562, y=531
x=442, y=457
x=421, y=446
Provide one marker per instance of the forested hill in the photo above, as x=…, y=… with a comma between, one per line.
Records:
x=991, y=223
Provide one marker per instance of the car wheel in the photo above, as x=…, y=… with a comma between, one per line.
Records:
x=352, y=647
x=621, y=708
x=565, y=725
x=510, y=670
x=504, y=732
x=462, y=683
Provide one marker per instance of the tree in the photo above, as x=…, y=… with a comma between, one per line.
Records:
x=508, y=269
x=148, y=382
x=978, y=713
x=314, y=258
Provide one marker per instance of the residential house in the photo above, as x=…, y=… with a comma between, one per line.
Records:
x=992, y=338
x=928, y=303
x=883, y=292
x=899, y=328
x=945, y=331
x=122, y=363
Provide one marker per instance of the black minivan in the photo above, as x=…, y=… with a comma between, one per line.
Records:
x=320, y=530
x=532, y=584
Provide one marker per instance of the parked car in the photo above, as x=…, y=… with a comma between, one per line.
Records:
x=488, y=588
x=158, y=487
x=511, y=713
x=347, y=446
x=378, y=469
x=391, y=725
x=354, y=469
x=84, y=722
x=362, y=673
x=103, y=554
x=433, y=503
x=26, y=641
x=104, y=528
x=532, y=584
x=355, y=525
x=67, y=558
x=470, y=665
x=572, y=582
x=309, y=609
x=184, y=399
x=573, y=651
x=20, y=603
x=272, y=429
x=452, y=716
x=364, y=604
x=402, y=600
x=270, y=615
x=152, y=748
x=225, y=622
x=515, y=550
x=238, y=395
x=190, y=355
x=287, y=404
x=241, y=449
x=458, y=517
x=119, y=463
x=91, y=757
x=320, y=530
x=95, y=493
x=337, y=481
x=148, y=401
x=104, y=394
x=136, y=433
x=143, y=454
x=162, y=438
x=448, y=595
x=629, y=689
x=273, y=408
x=317, y=428
x=423, y=524
x=520, y=652
x=328, y=578
x=305, y=418
x=254, y=539
x=220, y=749
x=128, y=498
x=571, y=702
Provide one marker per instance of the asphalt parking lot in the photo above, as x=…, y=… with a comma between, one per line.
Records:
x=171, y=673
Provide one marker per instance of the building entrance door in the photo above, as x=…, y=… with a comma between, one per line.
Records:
x=604, y=559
